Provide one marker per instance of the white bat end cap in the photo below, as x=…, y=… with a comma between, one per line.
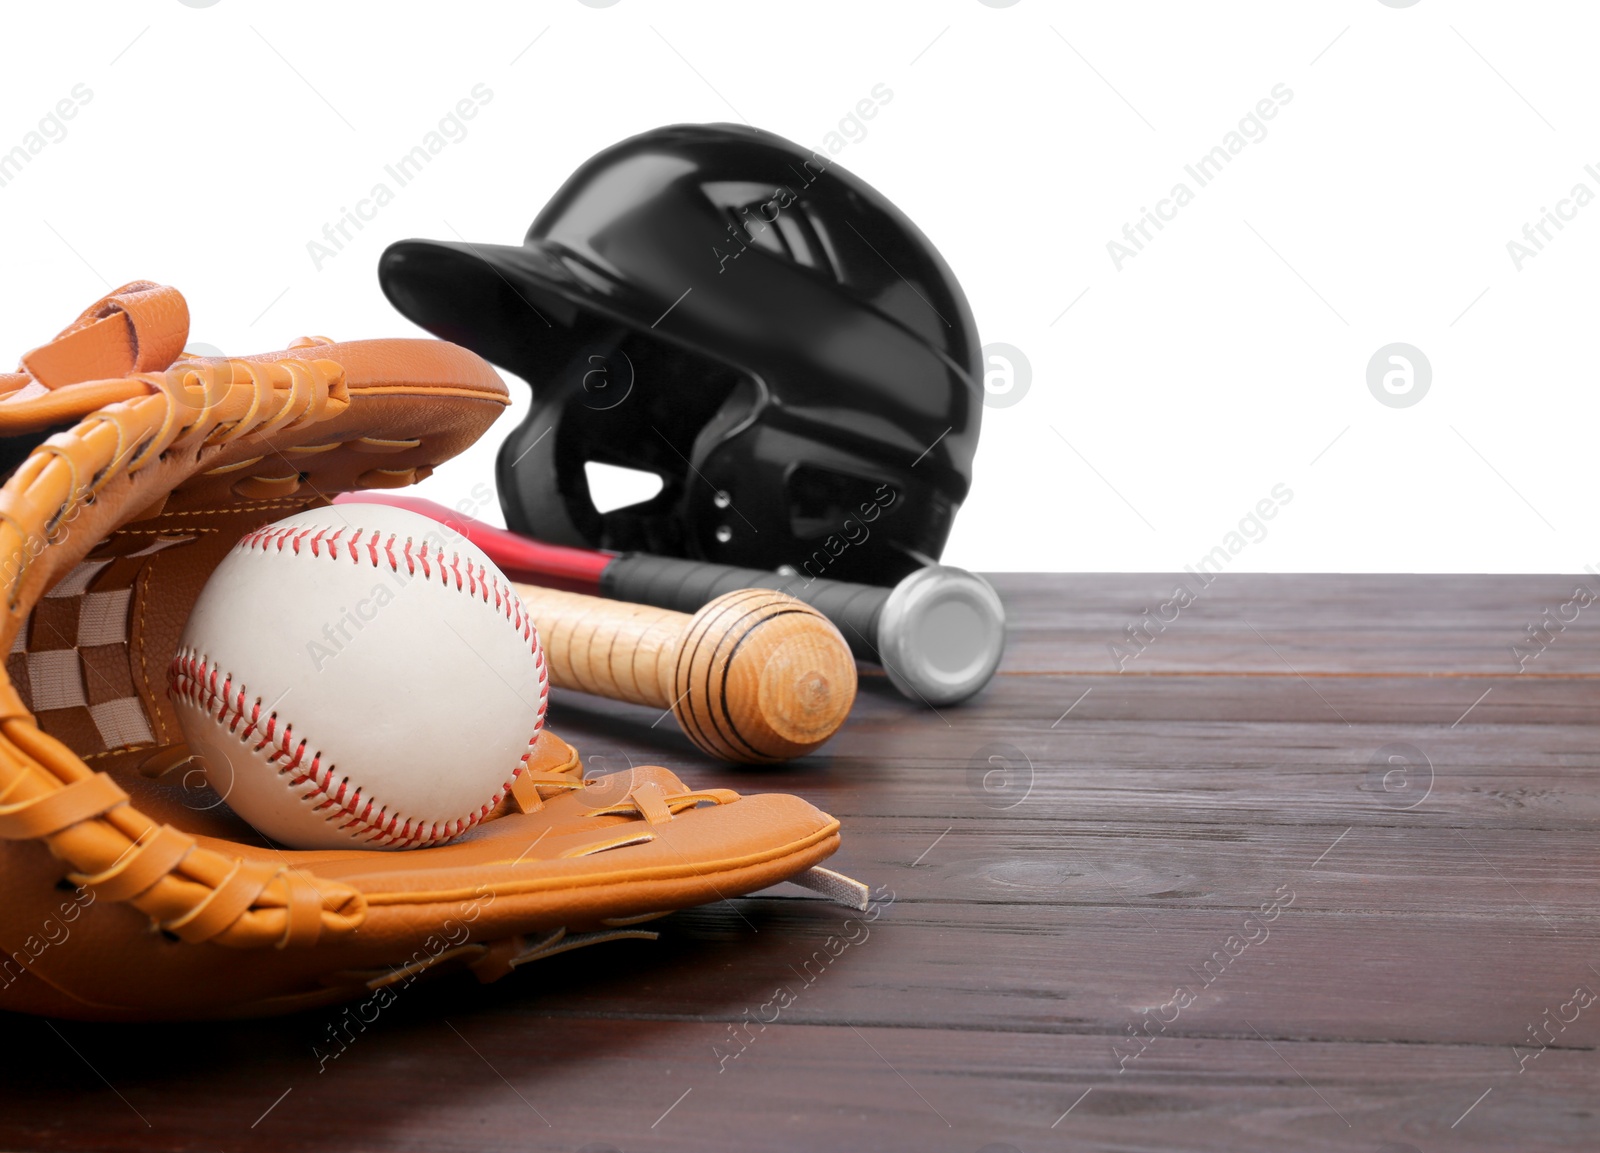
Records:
x=941, y=634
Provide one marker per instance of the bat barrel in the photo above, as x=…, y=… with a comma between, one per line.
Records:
x=761, y=676
x=609, y=648
x=755, y=676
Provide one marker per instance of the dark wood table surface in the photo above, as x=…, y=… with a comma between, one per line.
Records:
x=1315, y=870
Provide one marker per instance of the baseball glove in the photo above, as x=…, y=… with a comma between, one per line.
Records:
x=130, y=891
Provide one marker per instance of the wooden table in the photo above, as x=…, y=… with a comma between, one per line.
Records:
x=1076, y=955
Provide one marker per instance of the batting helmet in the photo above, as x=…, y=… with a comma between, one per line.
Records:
x=744, y=319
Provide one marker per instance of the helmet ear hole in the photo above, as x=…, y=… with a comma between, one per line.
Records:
x=613, y=486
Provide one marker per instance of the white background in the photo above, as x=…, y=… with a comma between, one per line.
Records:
x=1170, y=397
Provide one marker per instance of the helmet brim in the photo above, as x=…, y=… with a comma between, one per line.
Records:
x=500, y=300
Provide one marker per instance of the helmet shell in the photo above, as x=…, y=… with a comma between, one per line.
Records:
x=742, y=318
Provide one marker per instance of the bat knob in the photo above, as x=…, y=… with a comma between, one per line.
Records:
x=761, y=676
x=941, y=634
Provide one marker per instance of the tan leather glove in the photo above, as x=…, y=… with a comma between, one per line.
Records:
x=128, y=894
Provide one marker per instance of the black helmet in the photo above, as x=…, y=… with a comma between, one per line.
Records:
x=746, y=320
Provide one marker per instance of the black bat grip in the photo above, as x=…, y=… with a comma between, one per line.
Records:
x=688, y=586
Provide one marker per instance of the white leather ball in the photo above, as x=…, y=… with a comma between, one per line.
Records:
x=359, y=676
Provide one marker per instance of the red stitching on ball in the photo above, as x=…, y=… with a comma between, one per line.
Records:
x=193, y=680
x=478, y=581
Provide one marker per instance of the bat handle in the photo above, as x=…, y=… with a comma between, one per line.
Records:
x=939, y=633
x=754, y=676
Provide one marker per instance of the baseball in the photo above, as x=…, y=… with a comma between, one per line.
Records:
x=359, y=677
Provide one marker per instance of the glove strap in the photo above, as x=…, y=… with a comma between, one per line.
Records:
x=141, y=327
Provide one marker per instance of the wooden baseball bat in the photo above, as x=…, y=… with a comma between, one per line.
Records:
x=755, y=676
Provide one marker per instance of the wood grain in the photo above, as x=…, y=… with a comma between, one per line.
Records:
x=754, y=676
x=1038, y=916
